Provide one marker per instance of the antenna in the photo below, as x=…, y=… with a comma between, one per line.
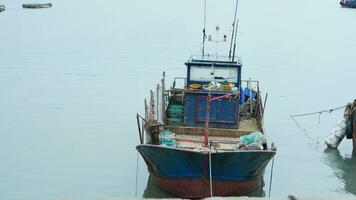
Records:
x=233, y=28
x=235, y=24
x=233, y=52
x=204, y=35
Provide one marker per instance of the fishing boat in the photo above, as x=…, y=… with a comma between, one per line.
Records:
x=37, y=5
x=348, y=3
x=204, y=137
x=2, y=8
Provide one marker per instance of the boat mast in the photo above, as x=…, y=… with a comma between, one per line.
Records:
x=204, y=34
x=233, y=29
x=235, y=34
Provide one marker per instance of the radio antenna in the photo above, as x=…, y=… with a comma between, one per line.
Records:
x=234, y=33
x=204, y=35
x=233, y=29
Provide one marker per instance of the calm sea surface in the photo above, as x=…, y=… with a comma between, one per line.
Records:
x=73, y=77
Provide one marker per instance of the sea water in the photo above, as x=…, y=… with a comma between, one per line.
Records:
x=73, y=77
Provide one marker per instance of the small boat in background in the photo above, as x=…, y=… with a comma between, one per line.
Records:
x=2, y=8
x=37, y=5
x=348, y=3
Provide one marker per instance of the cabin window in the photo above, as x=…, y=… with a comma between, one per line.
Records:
x=208, y=74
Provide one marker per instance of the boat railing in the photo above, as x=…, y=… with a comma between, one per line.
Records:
x=183, y=81
x=155, y=106
x=254, y=87
x=251, y=84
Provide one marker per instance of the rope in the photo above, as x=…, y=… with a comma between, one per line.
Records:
x=304, y=131
x=319, y=112
x=210, y=178
x=270, y=180
x=136, y=174
x=313, y=113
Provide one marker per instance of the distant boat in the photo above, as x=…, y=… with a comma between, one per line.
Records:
x=37, y=5
x=348, y=3
x=2, y=8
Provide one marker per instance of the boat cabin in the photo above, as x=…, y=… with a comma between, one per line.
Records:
x=214, y=78
x=221, y=80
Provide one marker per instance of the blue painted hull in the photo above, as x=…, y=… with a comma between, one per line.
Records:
x=186, y=173
x=348, y=4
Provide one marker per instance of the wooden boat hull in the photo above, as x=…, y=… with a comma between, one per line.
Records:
x=37, y=5
x=186, y=173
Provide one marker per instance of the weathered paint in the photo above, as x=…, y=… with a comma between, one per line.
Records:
x=223, y=112
x=200, y=188
x=232, y=172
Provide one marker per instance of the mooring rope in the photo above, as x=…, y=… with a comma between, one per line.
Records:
x=210, y=178
x=137, y=156
x=270, y=179
x=293, y=117
x=320, y=112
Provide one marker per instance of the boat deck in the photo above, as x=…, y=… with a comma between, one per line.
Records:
x=245, y=127
x=197, y=141
x=221, y=139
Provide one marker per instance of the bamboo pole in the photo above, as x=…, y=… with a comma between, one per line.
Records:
x=163, y=98
x=139, y=128
x=146, y=110
x=157, y=103
x=264, y=105
x=249, y=86
x=152, y=105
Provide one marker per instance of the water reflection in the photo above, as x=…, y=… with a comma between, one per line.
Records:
x=344, y=168
x=154, y=191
